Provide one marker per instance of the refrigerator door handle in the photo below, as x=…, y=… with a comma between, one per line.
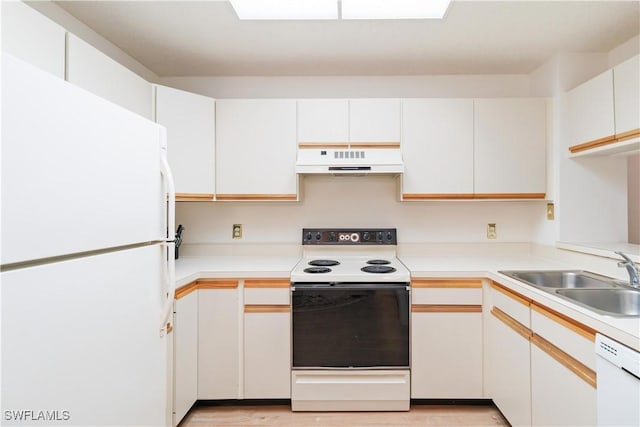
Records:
x=167, y=178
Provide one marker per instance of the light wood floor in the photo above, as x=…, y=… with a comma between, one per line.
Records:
x=281, y=415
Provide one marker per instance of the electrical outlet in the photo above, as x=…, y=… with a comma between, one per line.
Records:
x=551, y=211
x=237, y=231
x=492, y=232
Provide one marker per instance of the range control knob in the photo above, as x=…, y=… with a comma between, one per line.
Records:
x=365, y=235
x=355, y=237
x=309, y=236
x=389, y=236
x=379, y=236
x=318, y=236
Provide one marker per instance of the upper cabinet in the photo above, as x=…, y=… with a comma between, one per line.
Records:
x=604, y=112
x=437, y=148
x=510, y=148
x=190, y=122
x=626, y=90
x=32, y=37
x=96, y=72
x=256, y=149
x=359, y=122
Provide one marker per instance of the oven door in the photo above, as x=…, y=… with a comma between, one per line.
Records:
x=350, y=325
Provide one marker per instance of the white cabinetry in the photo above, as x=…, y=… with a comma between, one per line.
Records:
x=218, y=339
x=509, y=148
x=185, y=362
x=32, y=37
x=437, y=148
x=190, y=122
x=508, y=357
x=359, y=122
x=563, y=379
x=626, y=88
x=267, y=339
x=591, y=116
x=446, y=339
x=96, y=72
x=256, y=149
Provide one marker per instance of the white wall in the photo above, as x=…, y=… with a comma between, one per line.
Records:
x=633, y=189
x=365, y=201
x=355, y=86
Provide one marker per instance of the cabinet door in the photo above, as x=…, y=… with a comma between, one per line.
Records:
x=508, y=371
x=185, y=362
x=190, y=123
x=510, y=147
x=267, y=352
x=374, y=121
x=96, y=72
x=256, y=149
x=323, y=120
x=437, y=148
x=626, y=79
x=32, y=37
x=558, y=396
x=218, y=340
x=446, y=355
x=591, y=114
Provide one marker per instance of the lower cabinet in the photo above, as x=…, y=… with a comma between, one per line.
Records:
x=185, y=348
x=218, y=339
x=446, y=339
x=539, y=363
x=267, y=339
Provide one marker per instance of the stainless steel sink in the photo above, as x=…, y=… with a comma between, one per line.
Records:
x=601, y=294
x=564, y=279
x=617, y=302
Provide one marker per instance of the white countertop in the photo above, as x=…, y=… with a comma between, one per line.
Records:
x=426, y=265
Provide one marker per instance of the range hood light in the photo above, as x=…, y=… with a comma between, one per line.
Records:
x=394, y=9
x=285, y=9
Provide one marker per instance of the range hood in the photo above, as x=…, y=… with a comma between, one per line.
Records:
x=350, y=160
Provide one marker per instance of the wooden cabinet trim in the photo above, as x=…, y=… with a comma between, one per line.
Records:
x=217, y=283
x=565, y=321
x=185, y=290
x=267, y=283
x=289, y=197
x=628, y=135
x=509, y=195
x=445, y=308
x=359, y=145
x=194, y=197
x=512, y=323
x=471, y=196
x=320, y=145
x=267, y=308
x=511, y=294
x=575, y=366
x=435, y=283
x=593, y=144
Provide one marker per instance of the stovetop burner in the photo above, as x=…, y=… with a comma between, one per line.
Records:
x=316, y=270
x=378, y=262
x=324, y=262
x=378, y=269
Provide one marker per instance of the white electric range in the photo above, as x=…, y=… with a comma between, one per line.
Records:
x=350, y=322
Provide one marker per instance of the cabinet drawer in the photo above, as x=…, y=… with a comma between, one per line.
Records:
x=267, y=292
x=446, y=292
x=511, y=303
x=571, y=337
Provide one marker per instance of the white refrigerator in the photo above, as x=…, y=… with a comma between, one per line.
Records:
x=86, y=258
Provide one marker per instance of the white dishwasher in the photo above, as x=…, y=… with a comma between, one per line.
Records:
x=618, y=376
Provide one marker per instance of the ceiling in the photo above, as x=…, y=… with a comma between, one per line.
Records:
x=205, y=38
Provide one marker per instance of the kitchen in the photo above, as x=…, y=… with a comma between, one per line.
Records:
x=442, y=237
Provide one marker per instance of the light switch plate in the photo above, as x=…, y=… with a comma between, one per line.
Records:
x=551, y=211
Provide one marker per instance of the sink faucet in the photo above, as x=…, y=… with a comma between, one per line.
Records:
x=632, y=269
